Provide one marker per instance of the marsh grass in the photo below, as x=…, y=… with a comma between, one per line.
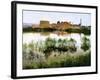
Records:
x=64, y=60
x=55, y=54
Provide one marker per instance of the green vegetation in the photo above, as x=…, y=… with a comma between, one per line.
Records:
x=30, y=29
x=85, y=43
x=83, y=30
x=64, y=60
x=69, y=60
x=53, y=53
x=59, y=45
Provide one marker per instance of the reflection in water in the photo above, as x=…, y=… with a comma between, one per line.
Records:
x=36, y=37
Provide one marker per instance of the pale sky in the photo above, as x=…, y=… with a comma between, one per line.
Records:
x=34, y=17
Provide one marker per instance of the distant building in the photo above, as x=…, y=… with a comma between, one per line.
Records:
x=44, y=24
x=53, y=25
x=59, y=25
x=64, y=25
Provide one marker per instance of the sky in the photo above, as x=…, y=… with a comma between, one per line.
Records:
x=34, y=17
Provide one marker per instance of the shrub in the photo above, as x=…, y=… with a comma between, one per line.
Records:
x=85, y=43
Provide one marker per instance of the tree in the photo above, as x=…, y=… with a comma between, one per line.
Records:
x=85, y=44
x=71, y=45
x=49, y=46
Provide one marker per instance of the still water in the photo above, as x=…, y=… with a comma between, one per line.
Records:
x=36, y=37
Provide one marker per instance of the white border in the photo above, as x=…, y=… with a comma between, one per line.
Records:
x=36, y=72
